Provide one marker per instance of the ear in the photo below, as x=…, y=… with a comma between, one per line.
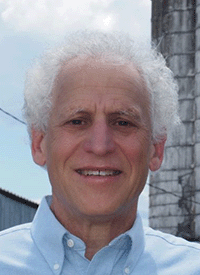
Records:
x=38, y=146
x=157, y=154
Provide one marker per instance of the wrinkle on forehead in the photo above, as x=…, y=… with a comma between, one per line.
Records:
x=78, y=74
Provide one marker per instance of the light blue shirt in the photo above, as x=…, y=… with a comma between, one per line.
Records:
x=46, y=247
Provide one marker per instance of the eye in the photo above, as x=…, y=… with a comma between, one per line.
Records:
x=77, y=122
x=123, y=123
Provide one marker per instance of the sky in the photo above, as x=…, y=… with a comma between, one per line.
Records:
x=27, y=28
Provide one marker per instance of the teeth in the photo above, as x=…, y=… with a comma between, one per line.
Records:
x=99, y=172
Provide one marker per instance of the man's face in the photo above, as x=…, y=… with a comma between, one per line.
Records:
x=98, y=145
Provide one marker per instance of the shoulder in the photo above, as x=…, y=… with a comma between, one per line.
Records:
x=172, y=254
x=19, y=253
x=15, y=239
x=15, y=233
x=157, y=237
x=16, y=245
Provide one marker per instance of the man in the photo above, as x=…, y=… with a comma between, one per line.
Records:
x=98, y=113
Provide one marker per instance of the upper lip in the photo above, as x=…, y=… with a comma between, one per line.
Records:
x=101, y=168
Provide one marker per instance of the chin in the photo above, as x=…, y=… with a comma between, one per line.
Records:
x=99, y=212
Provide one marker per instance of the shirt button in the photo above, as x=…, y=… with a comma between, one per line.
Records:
x=56, y=266
x=127, y=270
x=70, y=243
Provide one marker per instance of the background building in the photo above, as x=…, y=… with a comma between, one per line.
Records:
x=15, y=210
x=175, y=189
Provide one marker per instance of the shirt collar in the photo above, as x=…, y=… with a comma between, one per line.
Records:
x=48, y=234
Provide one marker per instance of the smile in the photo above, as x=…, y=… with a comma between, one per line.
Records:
x=103, y=173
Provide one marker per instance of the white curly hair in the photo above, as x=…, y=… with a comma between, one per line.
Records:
x=113, y=47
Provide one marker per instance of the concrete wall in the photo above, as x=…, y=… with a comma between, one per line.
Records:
x=197, y=121
x=175, y=189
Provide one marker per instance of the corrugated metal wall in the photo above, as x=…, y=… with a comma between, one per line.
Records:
x=14, y=212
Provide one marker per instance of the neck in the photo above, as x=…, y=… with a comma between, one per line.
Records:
x=96, y=232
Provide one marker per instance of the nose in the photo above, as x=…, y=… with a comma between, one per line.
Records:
x=100, y=139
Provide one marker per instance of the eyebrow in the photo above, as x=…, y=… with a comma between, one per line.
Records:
x=77, y=111
x=131, y=112
x=71, y=112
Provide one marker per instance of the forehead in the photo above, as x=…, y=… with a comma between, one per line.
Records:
x=82, y=80
x=95, y=72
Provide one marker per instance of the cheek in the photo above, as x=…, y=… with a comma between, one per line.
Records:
x=61, y=147
x=137, y=151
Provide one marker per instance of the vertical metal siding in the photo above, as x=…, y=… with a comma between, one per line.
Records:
x=13, y=212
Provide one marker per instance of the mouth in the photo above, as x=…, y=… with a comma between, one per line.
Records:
x=101, y=173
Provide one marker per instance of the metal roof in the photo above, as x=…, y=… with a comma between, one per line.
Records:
x=18, y=198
